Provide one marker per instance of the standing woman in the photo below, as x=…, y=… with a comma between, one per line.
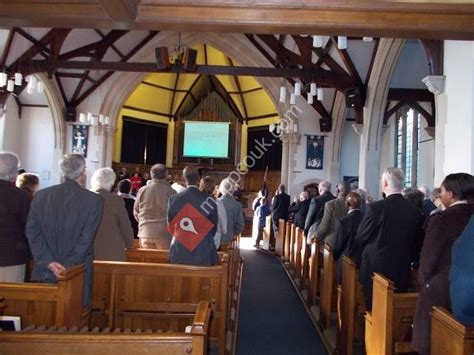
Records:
x=444, y=229
x=115, y=231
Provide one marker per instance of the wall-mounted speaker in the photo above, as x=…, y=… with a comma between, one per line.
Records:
x=355, y=97
x=325, y=124
x=162, y=58
x=189, y=59
x=70, y=114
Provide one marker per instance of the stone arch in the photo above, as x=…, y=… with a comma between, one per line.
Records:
x=377, y=91
x=121, y=85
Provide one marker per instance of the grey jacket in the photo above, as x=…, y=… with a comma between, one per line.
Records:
x=192, y=219
x=235, y=218
x=61, y=227
x=115, y=230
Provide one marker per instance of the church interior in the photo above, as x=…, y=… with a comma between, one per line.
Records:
x=299, y=94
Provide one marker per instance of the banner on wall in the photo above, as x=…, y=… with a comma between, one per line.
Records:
x=80, y=138
x=314, y=152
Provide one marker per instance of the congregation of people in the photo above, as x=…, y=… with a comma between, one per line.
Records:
x=409, y=229
x=58, y=227
x=431, y=231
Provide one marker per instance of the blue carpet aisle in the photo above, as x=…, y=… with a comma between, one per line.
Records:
x=272, y=318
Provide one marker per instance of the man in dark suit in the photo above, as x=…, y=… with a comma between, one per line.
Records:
x=62, y=224
x=428, y=205
x=316, y=207
x=346, y=230
x=280, y=207
x=192, y=220
x=386, y=237
x=300, y=209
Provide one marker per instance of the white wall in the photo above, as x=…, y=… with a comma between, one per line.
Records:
x=426, y=156
x=11, y=132
x=308, y=123
x=459, y=129
x=32, y=138
x=37, y=147
x=350, y=147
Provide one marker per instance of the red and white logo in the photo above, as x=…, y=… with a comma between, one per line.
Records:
x=190, y=227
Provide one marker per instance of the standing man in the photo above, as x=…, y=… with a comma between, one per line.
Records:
x=14, y=207
x=316, y=208
x=192, y=219
x=280, y=207
x=62, y=224
x=151, y=208
x=428, y=205
x=301, y=209
x=333, y=210
x=386, y=236
x=346, y=230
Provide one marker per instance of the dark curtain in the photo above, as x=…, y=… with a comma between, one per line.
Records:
x=271, y=156
x=138, y=136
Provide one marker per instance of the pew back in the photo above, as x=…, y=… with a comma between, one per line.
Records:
x=159, y=296
x=328, y=287
x=49, y=304
x=448, y=336
x=42, y=340
x=280, y=238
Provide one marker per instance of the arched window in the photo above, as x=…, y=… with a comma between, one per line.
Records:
x=407, y=144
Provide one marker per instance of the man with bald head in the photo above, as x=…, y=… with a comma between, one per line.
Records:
x=346, y=230
x=192, y=219
x=150, y=210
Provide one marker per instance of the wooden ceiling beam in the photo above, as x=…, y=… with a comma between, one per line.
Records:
x=239, y=89
x=422, y=95
x=346, y=59
x=6, y=50
x=120, y=10
x=434, y=53
x=376, y=18
x=320, y=76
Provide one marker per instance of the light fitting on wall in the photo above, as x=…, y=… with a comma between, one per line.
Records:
x=317, y=41
x=297, y=89
x=283, y=94
x=289, y=127
x=34, y=85
x=367, y=39
x=341, y=42
x=94, y=119
x=292, y=99
x=320, y=94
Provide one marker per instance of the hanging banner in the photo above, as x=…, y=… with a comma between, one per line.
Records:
x=80, y=138
x=314, y=152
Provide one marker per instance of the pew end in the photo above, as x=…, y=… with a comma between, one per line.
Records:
x=389, y=322
x=57, y=304
x=449, y=336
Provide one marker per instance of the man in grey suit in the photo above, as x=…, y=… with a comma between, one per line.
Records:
x=62, y=224
x=333, y=211
x=192, y=220
x=233, y=209
x=316, y=208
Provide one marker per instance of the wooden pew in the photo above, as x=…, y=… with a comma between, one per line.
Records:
x=44, y=340
x=280, y=239
x=351, y=308
x=314, y=267
x=57, y=304
x=328, y=289
x=448, y=336
x=297, y=251
x=305, y=256
x=287, y=248
x=389, y=322
x=141, y=295
x=292, y=246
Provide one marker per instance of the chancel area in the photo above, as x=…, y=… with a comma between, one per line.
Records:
x=250, y=177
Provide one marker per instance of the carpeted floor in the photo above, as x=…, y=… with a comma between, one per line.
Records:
x=272, y=318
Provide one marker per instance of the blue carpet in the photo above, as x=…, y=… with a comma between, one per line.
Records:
x=272, y=318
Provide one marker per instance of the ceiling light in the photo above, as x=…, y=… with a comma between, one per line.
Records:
x=342, y=42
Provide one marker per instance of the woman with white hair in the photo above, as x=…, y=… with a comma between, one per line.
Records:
x=115, y=231
x=233, y=209
x=14, y=208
